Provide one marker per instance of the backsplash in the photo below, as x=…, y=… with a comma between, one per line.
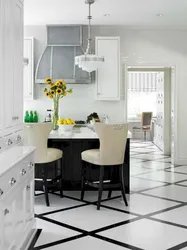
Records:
x=78, y=105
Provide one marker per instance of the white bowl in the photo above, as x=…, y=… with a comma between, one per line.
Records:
x=66, y=127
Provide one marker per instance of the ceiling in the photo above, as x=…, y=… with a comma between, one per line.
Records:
x=122, y=12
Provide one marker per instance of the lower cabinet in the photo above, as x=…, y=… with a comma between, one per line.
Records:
x=17, y=206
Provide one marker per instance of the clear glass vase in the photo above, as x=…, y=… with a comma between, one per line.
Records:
x=55, y=113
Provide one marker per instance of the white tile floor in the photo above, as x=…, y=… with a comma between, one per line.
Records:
x=156, y=218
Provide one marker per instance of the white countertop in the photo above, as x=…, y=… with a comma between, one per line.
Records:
x=9, y=158
x=78, y=133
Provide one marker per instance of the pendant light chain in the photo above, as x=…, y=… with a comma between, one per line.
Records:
x=88, y=50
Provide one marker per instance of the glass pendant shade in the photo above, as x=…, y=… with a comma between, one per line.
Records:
x=89, y=62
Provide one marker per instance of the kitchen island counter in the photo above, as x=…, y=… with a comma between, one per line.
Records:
x=72, y=145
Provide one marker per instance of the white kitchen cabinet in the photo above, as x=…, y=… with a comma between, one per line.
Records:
x=28, y=80
x=1, y=68
x=18, y=62
x=16, y=198
x=108, y=73
x=11, y=68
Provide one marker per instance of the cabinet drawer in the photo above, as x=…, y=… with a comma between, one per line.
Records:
x=18, y=137
x=26, y=166
x=8, y=181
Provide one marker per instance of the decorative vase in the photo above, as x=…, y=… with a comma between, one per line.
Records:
x=55, y=113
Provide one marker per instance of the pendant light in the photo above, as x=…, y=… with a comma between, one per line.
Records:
x=89, y=62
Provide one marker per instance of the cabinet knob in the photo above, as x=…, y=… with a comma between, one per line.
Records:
x=23, y=172
x=30, y=165
x=19, y=138
x=98, y=93
x=9, y=142
x=1, y=192
x=12, y=181
x=6, y=211
x=28, y=187
x=13, y=117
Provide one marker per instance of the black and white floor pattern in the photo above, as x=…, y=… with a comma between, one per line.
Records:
x=156, y=218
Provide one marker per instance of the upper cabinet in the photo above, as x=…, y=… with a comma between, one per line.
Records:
x=28, y=80
x=1, y=69
x=57, y=61
x=108, y=74
x=11, y=69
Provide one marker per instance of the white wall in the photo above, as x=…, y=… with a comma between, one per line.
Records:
x=138, y=47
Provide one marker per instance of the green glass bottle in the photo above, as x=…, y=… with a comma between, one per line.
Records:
x=31, y=118
x=35, y=118
x=27, y=118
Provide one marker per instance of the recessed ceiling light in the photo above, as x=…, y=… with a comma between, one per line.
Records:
x=159, y=14
x=107, y=15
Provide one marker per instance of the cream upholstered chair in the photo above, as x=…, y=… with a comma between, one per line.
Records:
x=146, y=124
x=112, y=139
x=36, y=134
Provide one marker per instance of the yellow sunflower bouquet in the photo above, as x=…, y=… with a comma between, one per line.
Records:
x=56, y=91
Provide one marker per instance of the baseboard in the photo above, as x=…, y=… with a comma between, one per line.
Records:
x=180, y=161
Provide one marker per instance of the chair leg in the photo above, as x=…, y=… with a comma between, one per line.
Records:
x=61, y=179
x=144, y=135
x=109, y=194
x=101, y=176
x=83, y=180
x=46, y=192
x=123, y=185
x=111, y=180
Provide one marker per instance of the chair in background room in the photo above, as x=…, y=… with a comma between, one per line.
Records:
x=111, y=153
x=36, y=134
x=146, y=125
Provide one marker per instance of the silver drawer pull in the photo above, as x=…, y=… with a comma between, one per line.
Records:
x=28, y=187
x=12, y=181
x=23, y=172
x=19, y=138
x=1, y=192
x=31, y=165
x=9, y=142
x=6, y=211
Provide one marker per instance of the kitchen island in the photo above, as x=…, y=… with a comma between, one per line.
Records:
x=72, y=145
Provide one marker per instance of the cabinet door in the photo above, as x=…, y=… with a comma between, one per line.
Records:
x=1, y=65
x=19, y=211
x=108, y=73
x=7, y=211
x=18, y=62
x=29, y=199
x=28, y=79
x=8, y=63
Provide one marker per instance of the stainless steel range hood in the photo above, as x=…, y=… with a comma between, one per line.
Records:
x=57, y=60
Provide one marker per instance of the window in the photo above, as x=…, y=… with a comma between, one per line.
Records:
x=141, y=93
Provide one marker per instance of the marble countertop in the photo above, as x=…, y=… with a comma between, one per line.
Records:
x=11, y=157
x=78, y=133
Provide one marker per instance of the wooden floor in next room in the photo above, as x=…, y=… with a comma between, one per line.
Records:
x=154, y=220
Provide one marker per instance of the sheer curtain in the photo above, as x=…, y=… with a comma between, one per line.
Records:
x=141, y=93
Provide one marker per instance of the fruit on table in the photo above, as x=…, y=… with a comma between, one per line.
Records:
x=67, y=121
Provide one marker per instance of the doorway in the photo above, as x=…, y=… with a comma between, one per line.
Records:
x=148, y=89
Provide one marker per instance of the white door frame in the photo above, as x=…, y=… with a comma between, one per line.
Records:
x=155, y=67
